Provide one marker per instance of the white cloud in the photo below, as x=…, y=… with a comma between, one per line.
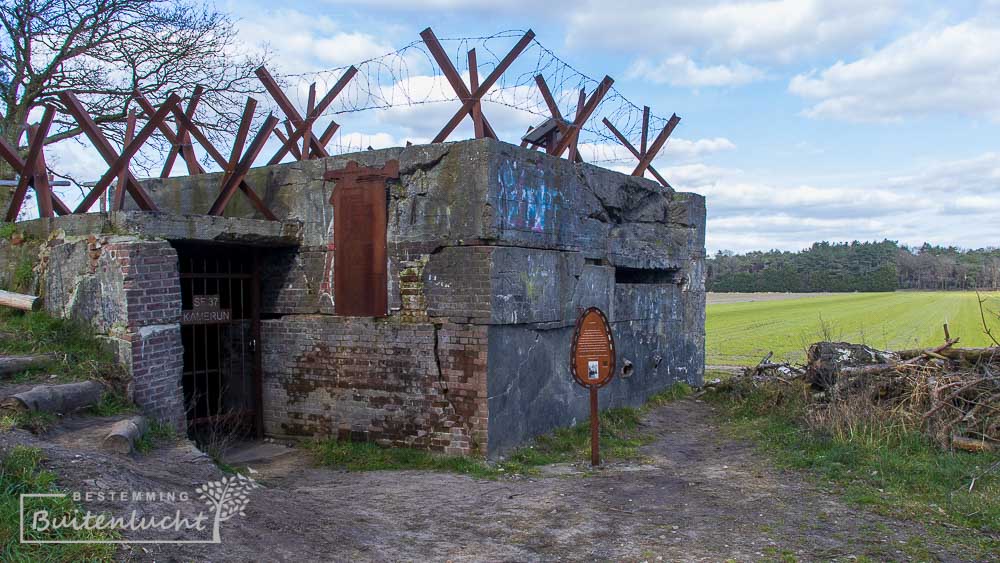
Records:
x=305, y=42
x=774, y=31
x=748, y=213
x=679, y=70
x=676, y=150
x=954, y=69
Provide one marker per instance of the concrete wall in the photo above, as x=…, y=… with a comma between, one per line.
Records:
x=493, y=251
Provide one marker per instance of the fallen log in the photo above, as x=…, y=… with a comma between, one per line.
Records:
x=20, y=301
x=16, y=364
x=971, y=444
x=55, y=398
x=124, y=435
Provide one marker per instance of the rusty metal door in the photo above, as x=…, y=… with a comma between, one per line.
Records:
x=360, y=279
x=220, y=329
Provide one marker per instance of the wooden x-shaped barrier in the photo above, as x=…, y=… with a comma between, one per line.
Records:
x=118, y=163
x=298, y=127
x=239, y=162
x=471, y=97
x=569, y=132
x=33, y=172
x=181, y=145
x=646, y=154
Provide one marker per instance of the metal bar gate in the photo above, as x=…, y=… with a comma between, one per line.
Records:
x=220, y=328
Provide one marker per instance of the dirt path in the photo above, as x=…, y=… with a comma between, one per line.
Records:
x=701, y=497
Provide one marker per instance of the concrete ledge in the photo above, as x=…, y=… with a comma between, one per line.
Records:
x=205, y=228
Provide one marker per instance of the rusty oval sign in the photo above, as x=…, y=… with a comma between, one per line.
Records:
x=592, y=359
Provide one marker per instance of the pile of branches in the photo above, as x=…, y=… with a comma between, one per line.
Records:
x=952, y=394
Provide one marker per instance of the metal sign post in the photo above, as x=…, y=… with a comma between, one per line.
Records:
x=592, y=362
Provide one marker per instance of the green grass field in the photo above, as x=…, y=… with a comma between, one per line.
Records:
x=742, y=333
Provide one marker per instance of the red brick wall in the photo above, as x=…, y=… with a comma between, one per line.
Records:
x=153, y=308
x=401, y=384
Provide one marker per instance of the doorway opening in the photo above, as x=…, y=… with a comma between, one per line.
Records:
x=220, y=332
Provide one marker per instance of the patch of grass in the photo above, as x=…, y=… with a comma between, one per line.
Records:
x=81, y=354
x=367, y=456
x=112, y=404
x=23, y=275
x=157, y=433
x=887, y=468
x=7, y=230
x=742, y=333
x=621, y=438
x=21, y=472
x=34, y=421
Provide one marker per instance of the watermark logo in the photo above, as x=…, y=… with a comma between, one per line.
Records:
x=223, y=499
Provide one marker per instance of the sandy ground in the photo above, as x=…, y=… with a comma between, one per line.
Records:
x=699, y=496
x=717, y=298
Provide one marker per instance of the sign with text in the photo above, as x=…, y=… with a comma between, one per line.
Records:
x=592, y=361
x=205, y=309
x=593, y=354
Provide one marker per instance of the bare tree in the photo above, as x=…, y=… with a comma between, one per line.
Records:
x=106, y=50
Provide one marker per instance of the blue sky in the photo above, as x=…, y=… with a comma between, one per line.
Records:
x=802, y=120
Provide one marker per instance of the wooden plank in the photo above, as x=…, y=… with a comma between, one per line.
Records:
x=118, y=203
x=307, y=124
x=645, y=129
x=477, y=108
x=40, y=181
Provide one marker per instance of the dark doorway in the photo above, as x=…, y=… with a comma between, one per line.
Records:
x=220, y=330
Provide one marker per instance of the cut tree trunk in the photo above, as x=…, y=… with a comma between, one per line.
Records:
x=828, y=360
x=55, y=398
x=20, y=301
x=16, y=364
x=124, y=434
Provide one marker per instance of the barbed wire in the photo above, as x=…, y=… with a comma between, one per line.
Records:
x=403, y=88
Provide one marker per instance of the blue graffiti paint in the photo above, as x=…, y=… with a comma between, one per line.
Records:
x=529, y=203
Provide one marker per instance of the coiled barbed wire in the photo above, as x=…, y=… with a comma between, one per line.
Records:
x=398, y=83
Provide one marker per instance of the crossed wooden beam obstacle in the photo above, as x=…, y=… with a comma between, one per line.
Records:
x=33, y=172
x=566, y=134
x=557, y=136
x=645, y=153
x=471, y=97
x=298, y=127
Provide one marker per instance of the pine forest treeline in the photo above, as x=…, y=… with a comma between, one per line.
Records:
x=856, y=266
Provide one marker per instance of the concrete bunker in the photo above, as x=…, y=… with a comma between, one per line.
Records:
x=490, y=252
